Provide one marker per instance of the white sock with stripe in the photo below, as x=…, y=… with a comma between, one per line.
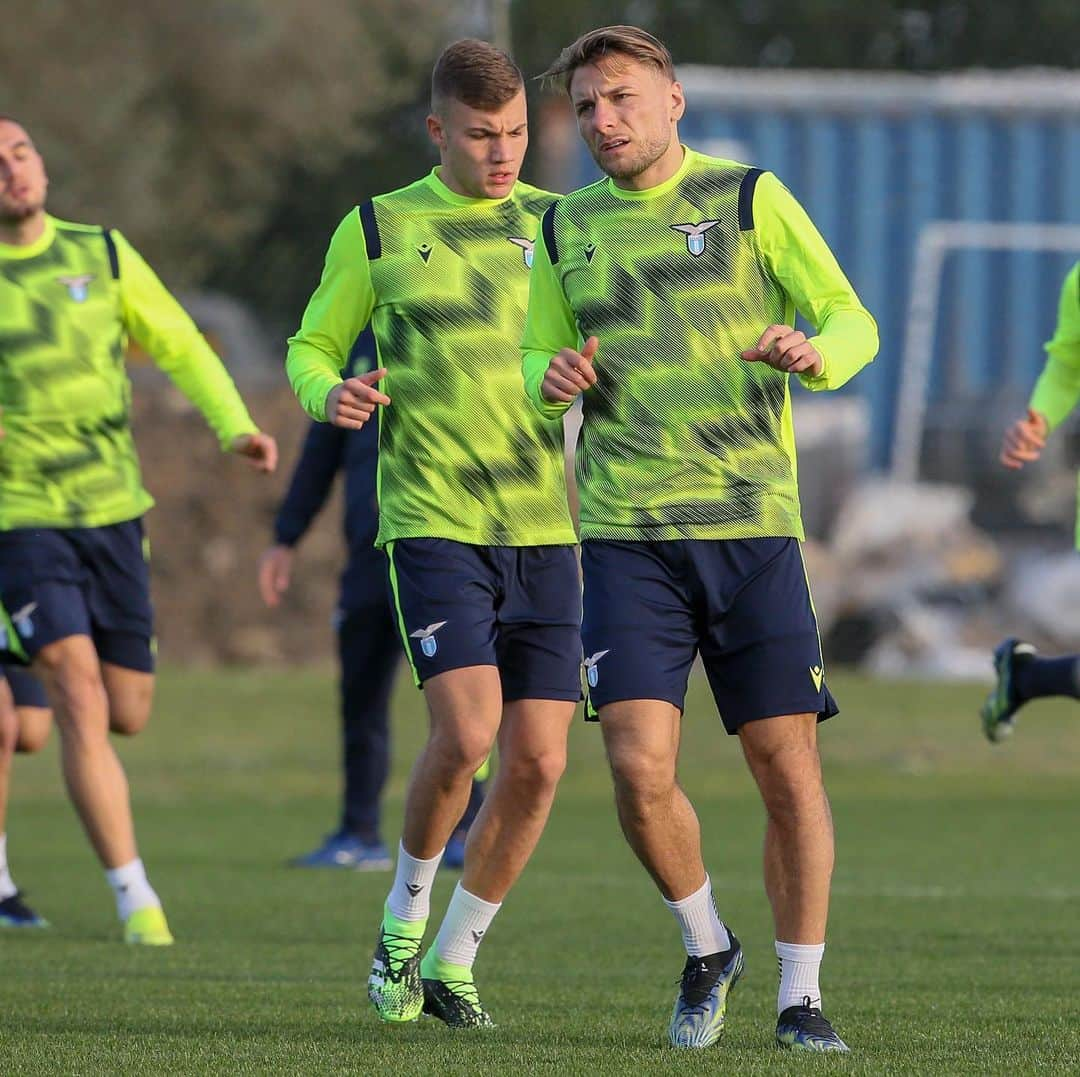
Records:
x=799, y=968
x=702, y=929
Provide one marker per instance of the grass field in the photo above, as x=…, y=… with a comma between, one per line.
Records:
x=954, y=945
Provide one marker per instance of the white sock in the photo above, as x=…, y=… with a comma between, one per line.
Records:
x=7, y=884
x=799, y=967
x=702, y=929
x=464, y=927
x=410, y=896
x=131, y=888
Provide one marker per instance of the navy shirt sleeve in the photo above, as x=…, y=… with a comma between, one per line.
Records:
x=312, y=478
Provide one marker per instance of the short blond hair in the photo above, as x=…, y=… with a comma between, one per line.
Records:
x=475, y=73
x=629, y=41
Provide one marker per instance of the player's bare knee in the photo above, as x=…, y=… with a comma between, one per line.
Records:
x=538, y=771
x=128, y=719
x=34, y=726
x=459, y=752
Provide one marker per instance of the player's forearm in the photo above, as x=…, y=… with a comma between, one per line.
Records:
x=312, y=373
x=1057, y=391
x=847, y=342
x=534, y=366
x=200, y=375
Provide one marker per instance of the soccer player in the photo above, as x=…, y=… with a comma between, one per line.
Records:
x=472, y=510
x=664, y=295
x=74, y=577
x=1021, y=673
x=368, y=646
x=24, y=727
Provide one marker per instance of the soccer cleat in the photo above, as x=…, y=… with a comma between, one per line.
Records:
x=454, y=853
x=344, y=850
x=394, y=982
x=806, y=1028
x=14, y=912
x=450, y=994
x=148, y=927
x=698, y=1017
x=1002, y=703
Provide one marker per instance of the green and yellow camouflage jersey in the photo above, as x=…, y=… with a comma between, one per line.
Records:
x=444, y=280
x=68, y=302
x=1057, y=391
x=682, y=439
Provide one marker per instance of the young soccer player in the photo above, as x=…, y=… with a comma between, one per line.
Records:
x=665, y=295
x=1021, y=673
x=472, y=511
x=74, y=574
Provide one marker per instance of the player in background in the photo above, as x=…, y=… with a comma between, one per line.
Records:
x=1021, y=673
x=24, y=727
x=665, y=295
x=369, y=649
x=472, y=510
x=74, y=574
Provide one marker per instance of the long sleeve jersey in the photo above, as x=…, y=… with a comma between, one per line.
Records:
x=680, y=437
x=68, y=303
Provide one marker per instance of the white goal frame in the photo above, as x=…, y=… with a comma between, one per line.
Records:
x=936, y=240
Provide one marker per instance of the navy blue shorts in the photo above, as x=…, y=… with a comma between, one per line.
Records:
x=26, y=689
x=80, y=581
x=743, y=604
x=514, y=607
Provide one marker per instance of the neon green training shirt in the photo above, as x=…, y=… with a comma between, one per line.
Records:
x=444, y=281
x=682, y=439
x=1057, y=391
x=68, y=302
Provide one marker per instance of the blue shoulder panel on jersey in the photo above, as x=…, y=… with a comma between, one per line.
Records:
x=110, y=246
x=547, y=226
x=371, y=231
x=746, y=199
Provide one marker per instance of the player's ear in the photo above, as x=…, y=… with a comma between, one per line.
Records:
x=436, y=131
x=678, y=101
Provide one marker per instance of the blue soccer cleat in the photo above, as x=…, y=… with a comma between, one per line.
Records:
x=14, y=912
x=701, y=1008
x=344, y=850
x=806, y=1028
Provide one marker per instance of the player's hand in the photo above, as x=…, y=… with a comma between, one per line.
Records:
x=259, y=449
x=786, y=349
x=1024, y=441
x=569, y=373
x=275, y=574
x=353, y=402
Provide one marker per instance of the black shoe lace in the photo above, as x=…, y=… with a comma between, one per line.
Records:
x=465, y=993
x=811, y=1019
x=400, y=949
x=697, y=982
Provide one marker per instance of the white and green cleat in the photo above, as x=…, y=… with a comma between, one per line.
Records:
x=148, y=927
x=394, y=986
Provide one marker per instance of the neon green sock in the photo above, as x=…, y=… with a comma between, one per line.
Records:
x=432, y=967
x=410, y=929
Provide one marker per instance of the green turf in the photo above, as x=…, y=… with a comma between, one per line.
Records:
x=953, y=946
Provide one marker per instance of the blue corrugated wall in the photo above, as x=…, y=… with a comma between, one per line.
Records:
x=872, y=176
